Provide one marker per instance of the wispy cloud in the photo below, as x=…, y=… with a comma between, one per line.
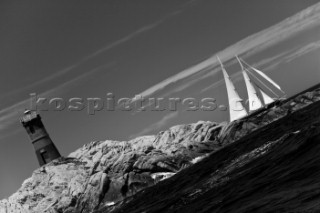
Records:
x=267, y=64
x=257, y=42
x=141, y=30
x=272, y=62
x=42, y=81
x=11, y=114
x=157, y=125
x=108, y=47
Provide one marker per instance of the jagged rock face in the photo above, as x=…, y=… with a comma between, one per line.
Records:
x=102, y=173
x=266, y=171
x=53, y=185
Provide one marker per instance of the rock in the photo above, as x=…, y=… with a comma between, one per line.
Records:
x=162, y=176
x=105, y=172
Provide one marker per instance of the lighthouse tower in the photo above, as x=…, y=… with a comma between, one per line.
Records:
x=45, y=149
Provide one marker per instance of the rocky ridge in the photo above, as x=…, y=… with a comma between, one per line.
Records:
x=104, y=172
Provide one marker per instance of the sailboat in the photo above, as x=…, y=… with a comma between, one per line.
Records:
x=255, y=101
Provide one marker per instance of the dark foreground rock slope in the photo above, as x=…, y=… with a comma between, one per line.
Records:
x=113, y=176
x=273, y=169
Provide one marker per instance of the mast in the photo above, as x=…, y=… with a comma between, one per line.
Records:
x=236, y=108
x=254, y=100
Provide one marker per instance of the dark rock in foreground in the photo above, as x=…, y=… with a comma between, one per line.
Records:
x=273, y=169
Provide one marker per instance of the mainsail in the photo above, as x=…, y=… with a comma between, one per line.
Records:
x=254, y=101
x=236, y=108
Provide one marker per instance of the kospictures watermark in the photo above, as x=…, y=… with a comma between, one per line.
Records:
x=110, y=103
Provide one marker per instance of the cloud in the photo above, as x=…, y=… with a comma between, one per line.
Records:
x=257, y=42
x=10, y=115
x=47, y=79
x=131, y=35
x=272, y=62
x=156, y=126
x=140, y=31
x=108, y=47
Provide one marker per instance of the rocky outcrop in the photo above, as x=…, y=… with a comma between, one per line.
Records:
x=102, y=173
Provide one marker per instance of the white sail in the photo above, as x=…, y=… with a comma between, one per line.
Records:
x=266, y=98
x=254, y=100
x=236, y=108
x=267, y=78
x=264, y=76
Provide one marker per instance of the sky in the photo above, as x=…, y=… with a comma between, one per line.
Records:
x=156, y=49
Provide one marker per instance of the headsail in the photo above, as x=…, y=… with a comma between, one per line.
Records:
x=254, y=101
x=266, y=98
x=236, y=108
x=264, y=76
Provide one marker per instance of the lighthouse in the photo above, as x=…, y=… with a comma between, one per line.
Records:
x=44, y=148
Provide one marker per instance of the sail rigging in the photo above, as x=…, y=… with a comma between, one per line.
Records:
x=236, y=109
